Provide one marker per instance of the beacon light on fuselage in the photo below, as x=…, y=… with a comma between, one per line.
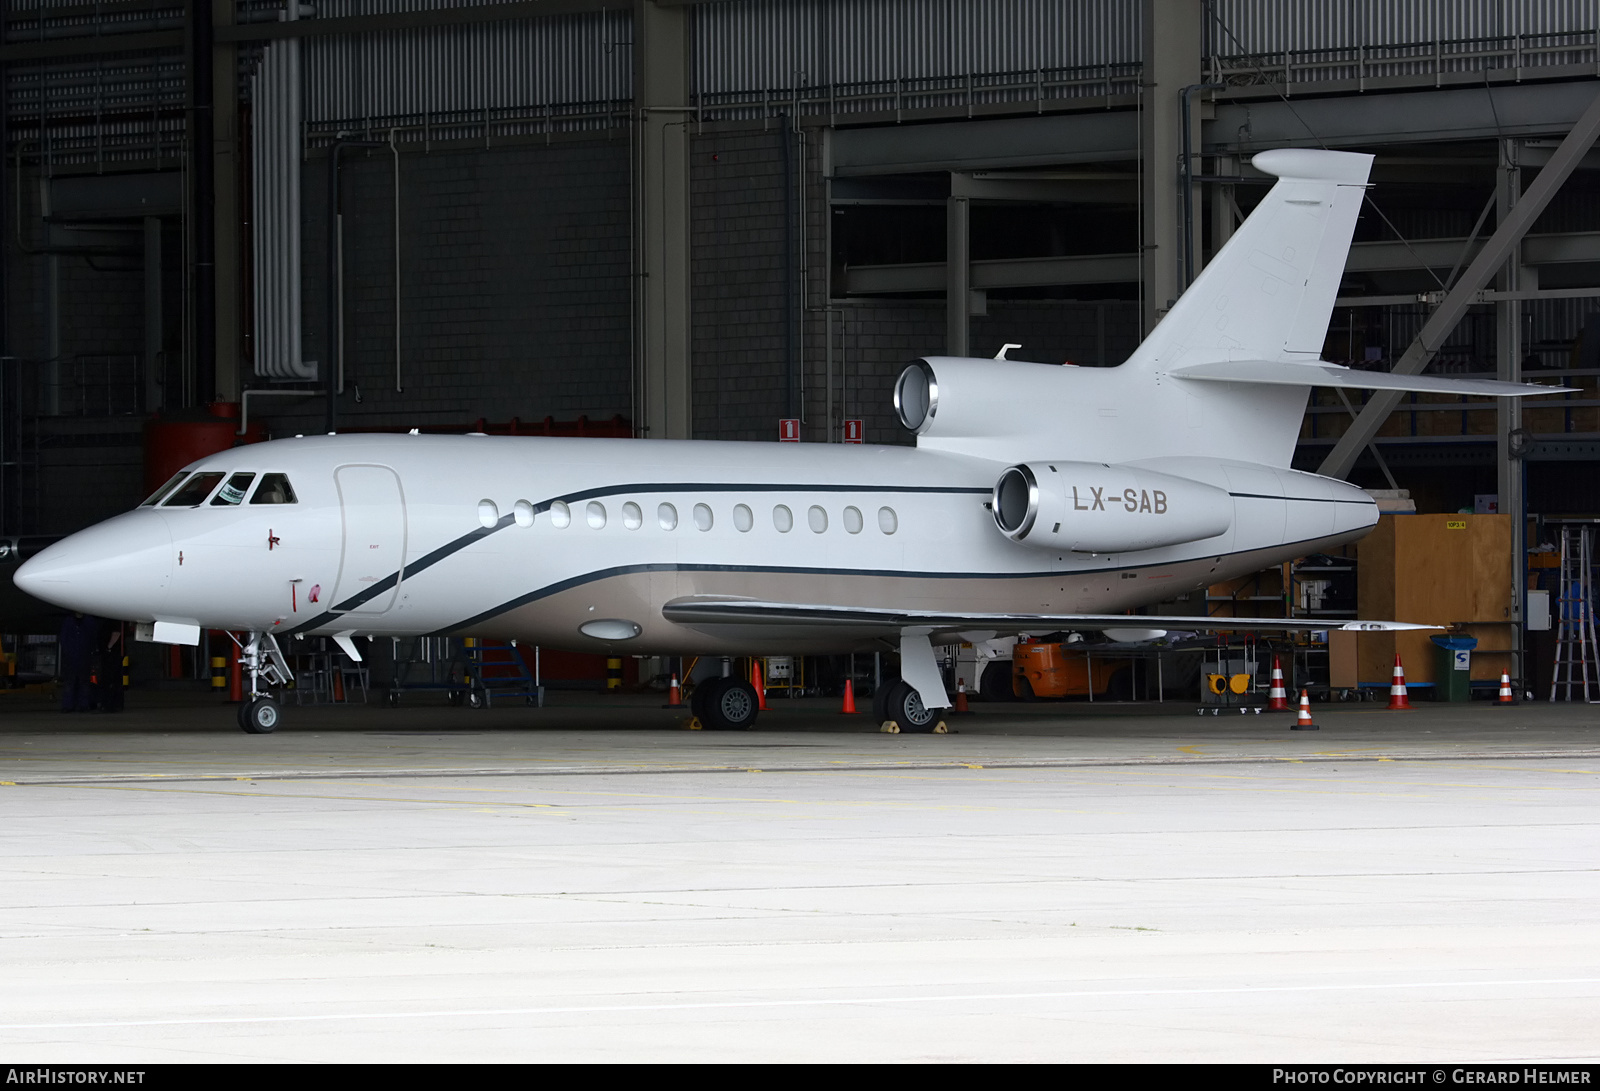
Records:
x=1037, y=499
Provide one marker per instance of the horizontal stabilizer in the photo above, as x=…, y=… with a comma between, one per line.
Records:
x=749, y=612
x=1271, y=373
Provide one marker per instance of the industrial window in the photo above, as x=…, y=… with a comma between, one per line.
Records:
x=632, y=517
x=743, y=518
x=596, y=514
x=232, y=493
x=818, y=518
x=194, y=491
x=888, y=521
x=560, y=515
x=783, y=519
x=274, y=489
x=172, y=483
x=702, y=516
x=852, y=520
x=667, y=516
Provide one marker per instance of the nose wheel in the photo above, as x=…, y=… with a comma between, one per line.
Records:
x=260, y=715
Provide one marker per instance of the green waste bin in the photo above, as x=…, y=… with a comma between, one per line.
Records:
x=1452, y=667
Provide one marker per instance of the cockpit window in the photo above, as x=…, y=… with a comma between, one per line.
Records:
x=194, y=491
x=274, y=489
x=233, y=492
x=172, y=483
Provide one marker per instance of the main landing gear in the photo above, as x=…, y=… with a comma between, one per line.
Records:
x=263, y=660
x=725, y=704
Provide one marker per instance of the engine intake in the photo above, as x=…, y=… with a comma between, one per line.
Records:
x=1093, y=507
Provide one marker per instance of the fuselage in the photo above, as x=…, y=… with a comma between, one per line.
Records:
x=541, y=539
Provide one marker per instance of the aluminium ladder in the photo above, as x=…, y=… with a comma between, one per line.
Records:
x=1577, y=663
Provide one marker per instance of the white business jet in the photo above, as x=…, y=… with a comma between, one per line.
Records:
x=1037, y=498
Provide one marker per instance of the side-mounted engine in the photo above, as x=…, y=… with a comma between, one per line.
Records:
x=1093, y=507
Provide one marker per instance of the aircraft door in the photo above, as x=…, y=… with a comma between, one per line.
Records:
x=372, y=509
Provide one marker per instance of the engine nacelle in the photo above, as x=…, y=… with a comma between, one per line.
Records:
x=1092, y=507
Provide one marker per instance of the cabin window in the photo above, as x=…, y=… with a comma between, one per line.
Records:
x=194, y=491
x=667, y=516
x=274, y=489
x=702, y=516
x=818, y=518
x=596, y=514
x=560, y=515
x=888, y=521
x=522, y=511
x=233, y=492
x=488, y=514
x=783, y=519
x=172, y=483
x=632, y=517
x=743, y=518
x=852, y=520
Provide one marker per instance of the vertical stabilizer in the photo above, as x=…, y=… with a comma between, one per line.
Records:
x=1268, y=295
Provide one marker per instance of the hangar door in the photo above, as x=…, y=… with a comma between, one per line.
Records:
x=373, y=511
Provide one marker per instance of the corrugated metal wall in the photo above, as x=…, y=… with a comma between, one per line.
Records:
x=771, y=44
x=1269, y=26
x=456, y=75
x=756, y=57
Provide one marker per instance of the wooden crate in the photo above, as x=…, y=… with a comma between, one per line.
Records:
x=1452, y=570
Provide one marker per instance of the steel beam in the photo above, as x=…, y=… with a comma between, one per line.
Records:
x=1499, y=247
x=1172, y=49
x=958, y=275
x=661, y=220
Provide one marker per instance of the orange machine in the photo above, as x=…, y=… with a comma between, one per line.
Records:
x=1056, y=670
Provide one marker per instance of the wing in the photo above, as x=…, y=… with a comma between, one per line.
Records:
x=704, y=613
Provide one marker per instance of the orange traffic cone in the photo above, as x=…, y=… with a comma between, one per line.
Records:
x=1303, y=721
x=761, y=690
x=849, y=708
x=674, y=695
x=1399, y=697
x=1505, y=691
x=1277, y=697
x=961, y=707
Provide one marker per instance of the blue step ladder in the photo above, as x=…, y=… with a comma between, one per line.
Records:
x=496, y=669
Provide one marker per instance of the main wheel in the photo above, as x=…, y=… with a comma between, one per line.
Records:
x=697, y=697
x=995, y=683
x=260, y=716
x=905, y=707
x=732, y=707
x=880, y=700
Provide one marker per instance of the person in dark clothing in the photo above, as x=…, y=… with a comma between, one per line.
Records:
x=109, y=674
x=77, y=651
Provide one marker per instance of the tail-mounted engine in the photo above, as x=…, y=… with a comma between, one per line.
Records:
x=1092, y=507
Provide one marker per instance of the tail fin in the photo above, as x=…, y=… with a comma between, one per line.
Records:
x=1268, y=294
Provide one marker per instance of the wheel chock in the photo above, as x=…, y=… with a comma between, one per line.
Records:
x=694, y=724
x=941, y=728
x=889, y=727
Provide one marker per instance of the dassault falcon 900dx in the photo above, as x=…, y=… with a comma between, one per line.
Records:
x=1037, y=498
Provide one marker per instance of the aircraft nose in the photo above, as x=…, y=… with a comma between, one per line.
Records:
x=119, y=568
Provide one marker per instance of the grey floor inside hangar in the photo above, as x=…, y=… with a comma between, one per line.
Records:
x=591, y=882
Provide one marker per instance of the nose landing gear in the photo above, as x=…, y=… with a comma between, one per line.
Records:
x=263, y=659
